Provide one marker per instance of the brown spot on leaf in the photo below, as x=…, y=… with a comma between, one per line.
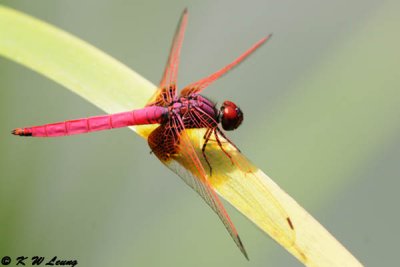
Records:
x=290, y=223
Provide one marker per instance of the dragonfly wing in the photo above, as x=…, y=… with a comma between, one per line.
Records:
x=197, y=87
x=181, y=158
x=245, y=186
x=167, y=86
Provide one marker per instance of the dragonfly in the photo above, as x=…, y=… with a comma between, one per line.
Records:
x=176, y=117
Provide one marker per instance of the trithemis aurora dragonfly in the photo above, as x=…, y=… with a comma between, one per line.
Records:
x=178, y=117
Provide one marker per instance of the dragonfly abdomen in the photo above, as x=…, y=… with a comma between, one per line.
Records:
x=148, y=115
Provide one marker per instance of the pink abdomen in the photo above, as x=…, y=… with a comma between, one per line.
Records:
x=148, y=115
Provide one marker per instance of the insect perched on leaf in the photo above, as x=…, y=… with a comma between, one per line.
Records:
x=179, y=119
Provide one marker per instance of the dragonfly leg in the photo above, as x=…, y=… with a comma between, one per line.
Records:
x=245, y=169
x=216, y=131
x=203, y=149
x=226, y=138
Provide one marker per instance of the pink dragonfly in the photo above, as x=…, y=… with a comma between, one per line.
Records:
x=175, y=115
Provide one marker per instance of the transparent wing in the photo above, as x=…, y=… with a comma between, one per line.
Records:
x=167, y=86
x=197, y=87
x=179, y=155
x=242, y=184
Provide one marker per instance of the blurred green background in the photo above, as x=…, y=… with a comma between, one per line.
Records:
x=322, y=118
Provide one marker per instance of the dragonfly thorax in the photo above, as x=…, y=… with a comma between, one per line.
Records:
x=198, y=111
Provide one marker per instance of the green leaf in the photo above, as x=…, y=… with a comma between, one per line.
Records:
x=71, y=62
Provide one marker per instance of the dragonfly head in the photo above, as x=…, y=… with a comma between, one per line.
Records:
x=230, y=115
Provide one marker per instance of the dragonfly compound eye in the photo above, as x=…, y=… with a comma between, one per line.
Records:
x=231, y=116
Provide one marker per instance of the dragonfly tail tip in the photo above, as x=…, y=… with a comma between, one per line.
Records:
x=20, y=132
